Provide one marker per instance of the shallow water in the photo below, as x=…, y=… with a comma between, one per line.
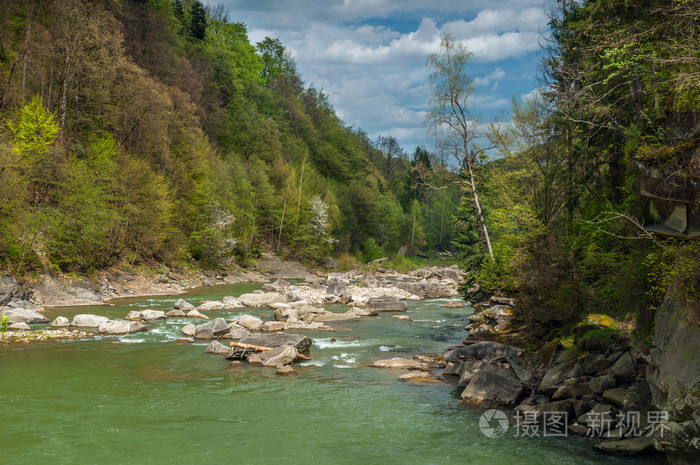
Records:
x=143, y=399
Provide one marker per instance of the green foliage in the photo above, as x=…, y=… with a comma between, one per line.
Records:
x=4, y=322
x=371, y=250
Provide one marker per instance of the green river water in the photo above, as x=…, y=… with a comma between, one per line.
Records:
x=142, y=399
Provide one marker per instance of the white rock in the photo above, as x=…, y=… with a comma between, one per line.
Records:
x=211, y=305
x=84, y=320
x=196, y=314
x=60, y=322
x=134, y=315
x=152, y=315
x=250, y=322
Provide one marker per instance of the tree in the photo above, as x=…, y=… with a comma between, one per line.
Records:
x=198, y=20
x=450, y=119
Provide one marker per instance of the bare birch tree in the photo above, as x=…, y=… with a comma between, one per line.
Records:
x=449, y=118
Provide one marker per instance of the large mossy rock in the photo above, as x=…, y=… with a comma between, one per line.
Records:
x=485, y=351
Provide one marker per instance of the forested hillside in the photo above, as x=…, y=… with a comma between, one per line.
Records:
x=154, y=130
x=592, y=199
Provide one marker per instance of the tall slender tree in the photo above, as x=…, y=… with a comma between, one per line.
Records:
x=450, y=119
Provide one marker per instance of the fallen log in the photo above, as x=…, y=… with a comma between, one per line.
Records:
x=252, y=347
x=303, y=357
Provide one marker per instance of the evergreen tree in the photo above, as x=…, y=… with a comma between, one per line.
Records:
x=198, y=21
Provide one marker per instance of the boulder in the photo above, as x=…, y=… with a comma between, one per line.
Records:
x=500, y=300
x=283, y=355
x=362, y=312
x=60, y=322
x=176, y=314
x=23, y=315
x=250, y=322
x=185, y=340
x=467, y=369
x=21, y=326
x=231, y=303
x=568, y=391
x=134, y=315
x=272, y=326
x=600, y=418
x=624, y=369
x=189, y=330
x=386, y=304
x=88, y=321
x=181, y=304
x=620, y=396
x=493, y=388
x=336, y=288
x=278, y=285
x=196, y=314
x=210, y=329
x=120, y=327
x=568, y=365
x=331, y=263
x=285, y=370
x=211, y=305
x=217, y=348
x=485, y=350
x=367, y=280
x=630, y=447
x=264, y=299
x=301, y=343
x=11, y=290
x=152, y=315
x=236, y=333
x=454, y=304
x=397, y=362
x=428, y=290
x=331, y=316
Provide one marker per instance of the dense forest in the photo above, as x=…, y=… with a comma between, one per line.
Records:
x=619, y=103
x=154, y=131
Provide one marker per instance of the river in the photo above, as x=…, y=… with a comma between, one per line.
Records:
x=143, y=399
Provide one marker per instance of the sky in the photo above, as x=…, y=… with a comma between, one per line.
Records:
x=369, y=56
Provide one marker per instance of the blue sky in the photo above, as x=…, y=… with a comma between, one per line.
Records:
x=369, y=55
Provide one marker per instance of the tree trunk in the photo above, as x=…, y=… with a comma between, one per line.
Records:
x=478, y=209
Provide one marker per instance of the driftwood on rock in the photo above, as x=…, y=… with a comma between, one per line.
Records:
x=252, y=347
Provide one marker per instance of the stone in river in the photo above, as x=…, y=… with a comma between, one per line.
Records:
x=88, y=321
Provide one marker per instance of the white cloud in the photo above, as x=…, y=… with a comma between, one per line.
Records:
x=374, y=70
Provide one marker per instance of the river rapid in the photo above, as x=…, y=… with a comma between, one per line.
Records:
x=143, y=399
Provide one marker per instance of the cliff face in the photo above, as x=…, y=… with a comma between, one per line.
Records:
x=675, y=355
x=674, y=376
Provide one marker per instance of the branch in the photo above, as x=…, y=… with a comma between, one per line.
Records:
x=608, y=216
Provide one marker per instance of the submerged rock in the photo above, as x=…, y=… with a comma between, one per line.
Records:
x=398, y=362
x=331, y=316
x=420, y=377
x=634, y=446
x=286, y=370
